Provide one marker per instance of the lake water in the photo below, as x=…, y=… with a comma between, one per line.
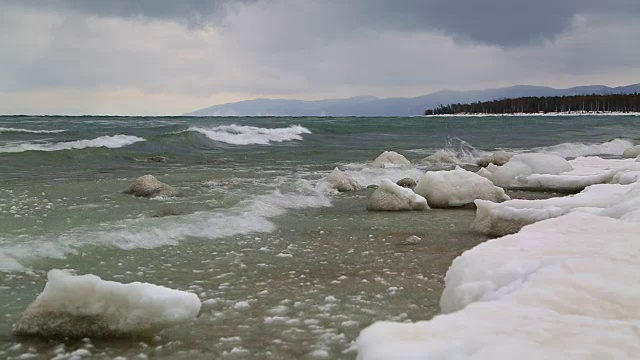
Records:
x=286, y=270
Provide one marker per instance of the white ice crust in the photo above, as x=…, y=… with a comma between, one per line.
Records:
x=615, y=186
x=341, y=181
x=456, y=188
x=392, y=197
x=87, y=306
x=564, y=287
x=391, y=159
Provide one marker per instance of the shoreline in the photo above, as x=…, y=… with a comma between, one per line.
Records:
x=549, y=114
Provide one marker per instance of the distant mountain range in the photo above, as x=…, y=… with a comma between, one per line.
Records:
x=373, y=106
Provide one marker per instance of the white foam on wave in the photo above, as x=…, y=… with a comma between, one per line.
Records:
x=456, y=151
x=571, y=150
x=248, y=135
x=112, y=142
x=250, y=216
x=19, y=130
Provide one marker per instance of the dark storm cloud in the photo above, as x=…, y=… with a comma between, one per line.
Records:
x=500, y=22
x=506, y=23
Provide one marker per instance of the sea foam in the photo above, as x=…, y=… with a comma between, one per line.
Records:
x=249, y=216
x=112, y=142
x=248, y=135
x=19, y=130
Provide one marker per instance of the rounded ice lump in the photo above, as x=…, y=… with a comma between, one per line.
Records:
x=87, y=306
x=393, y=197
x=456, y=188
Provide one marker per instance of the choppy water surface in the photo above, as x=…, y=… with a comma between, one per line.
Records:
x=285, y=269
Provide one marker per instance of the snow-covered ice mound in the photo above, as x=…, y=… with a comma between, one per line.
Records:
x=560, y=176
x=513, y=174
x=391, y=159
x=87, y=306
x=393, y=197
x=622, y=189
x=631, y=152
x=442, y=156
x=456, y=188
x=341, y=181
x=564, y=288
x=498, y=158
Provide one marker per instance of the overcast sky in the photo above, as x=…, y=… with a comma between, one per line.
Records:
x=170, y=57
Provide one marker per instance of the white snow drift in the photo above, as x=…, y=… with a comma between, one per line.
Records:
x=87, y=306
x=565, y=288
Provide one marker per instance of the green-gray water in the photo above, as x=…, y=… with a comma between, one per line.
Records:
x=251, y=226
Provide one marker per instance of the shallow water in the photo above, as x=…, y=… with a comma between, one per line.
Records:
x=284, y=270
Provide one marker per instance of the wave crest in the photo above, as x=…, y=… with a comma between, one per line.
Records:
x=248, y=135
x=112, y=142
x=19, y=130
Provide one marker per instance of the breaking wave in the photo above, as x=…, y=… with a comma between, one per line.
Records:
x=252, y=215
x=18, y=130
x=248, y=135
x=112, y=142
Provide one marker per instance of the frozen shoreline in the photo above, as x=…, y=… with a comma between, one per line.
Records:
x=549, y=114
x=569, y=272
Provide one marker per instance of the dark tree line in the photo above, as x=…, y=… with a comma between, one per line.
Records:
x=532, y=104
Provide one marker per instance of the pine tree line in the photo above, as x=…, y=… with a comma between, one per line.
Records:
x=532, y=105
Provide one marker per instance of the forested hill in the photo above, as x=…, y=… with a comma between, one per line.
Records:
x=532, y=104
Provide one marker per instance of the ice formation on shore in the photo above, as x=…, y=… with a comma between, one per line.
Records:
x=341, y=181
x=560, y=288
x=457, y=188
x=391, y=159
x=614, y=185
x=393, y=197
x=87, y=306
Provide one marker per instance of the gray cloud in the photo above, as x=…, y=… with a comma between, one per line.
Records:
x=505, y=23
x=307, y=48
x=193, y=13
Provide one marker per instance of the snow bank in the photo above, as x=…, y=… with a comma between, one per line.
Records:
x=392, y=197
x=457, y=188
x=513, y=174
x=391, y=159
x=620, y=178
x=573, y=150
x=561, y=176
x=565, y=288
x=86, y=306
x=342, y=182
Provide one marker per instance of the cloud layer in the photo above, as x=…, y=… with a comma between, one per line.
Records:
x=201, y=52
